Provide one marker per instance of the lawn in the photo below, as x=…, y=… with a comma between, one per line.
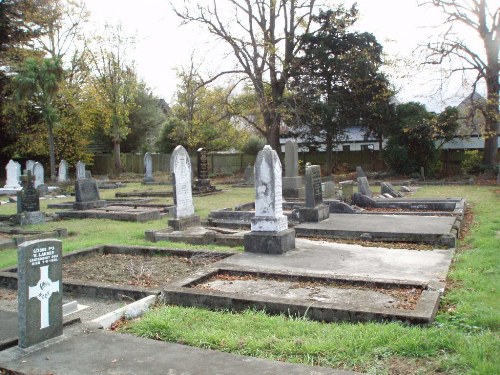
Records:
x=465, y=339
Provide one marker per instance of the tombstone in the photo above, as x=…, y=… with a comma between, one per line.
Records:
x=292, y=182
x=87, y=195
x=269, y=228
x=38, y=172
x=249, y=175
x=80, y=170
x=315, y=210
x=347, y=190
x=88, y=174
x=364, y=187
x=13, y=170
x=28, y=199
x=39, y=270
x=360, y=172
x=388, y=188
x=29, y=165
x=203, y=182
x=148, y=167
x=180, y=168
x=62, y=176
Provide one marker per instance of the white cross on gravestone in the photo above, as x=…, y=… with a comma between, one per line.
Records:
x=42, y=291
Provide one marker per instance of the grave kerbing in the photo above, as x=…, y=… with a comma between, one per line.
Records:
x=39, y=291
x=269, y=228
x=180, y=168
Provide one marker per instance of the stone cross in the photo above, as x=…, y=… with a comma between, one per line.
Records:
x=80, y=170
x=268, y=193
x=13, y=170
x=314, y=194
x=291, y=159
x=148, y=166
x=39, y=174
x=63, y=171
x=180, y=168
x=39, y=291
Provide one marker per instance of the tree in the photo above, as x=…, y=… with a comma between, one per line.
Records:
x=263, y=38
x=481, y=17
x=337, y=78
x=38, y=81
x=113, y=88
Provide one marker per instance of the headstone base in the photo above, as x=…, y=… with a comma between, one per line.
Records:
x=314, y=215
x=89, y=205
x=339, y=207
x=185, y=222
x=203, y=186
x=270, y=242
x=268, y=224
x=29, y=218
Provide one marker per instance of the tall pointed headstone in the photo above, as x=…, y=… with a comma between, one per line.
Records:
x=38, y=172
x=80, y=170
x=62, y=176
x=292, y=182
x=148, y=168
x=269, y=228
x=29, y=165
x=13, y=170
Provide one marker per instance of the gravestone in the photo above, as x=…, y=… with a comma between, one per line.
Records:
x=388, y=188
x=249, y=175
x=148, y=168
x=87, y=195
x=364, y=187
x=292, y=182
x=40, y=289
x=62, y=176
x=315, y=210
x=38, y=172
x=180, y=167
x=202, y=184
x=28, y=203
x=88, y=174
x=269, y=228
x=13, y=170
x=360, y=172
x=80, y=170
x=29, y=165
x=347, y=190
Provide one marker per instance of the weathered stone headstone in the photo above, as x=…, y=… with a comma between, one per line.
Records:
x=29, y=165
x=180, y=167
x=62, y=176
x=249, y=175
x=80, y=170
x=87, y=195
x=292, y=182
x=28, y=199
x=388, y=188
x=364, y=187
x=13, y=170
x=39, y=291
x=148, y=168
x=203, y=184
x=360, y=172
x=347, y=190
x=315, y=210
x=270, y=233
x=88, y=174
x=38, y=172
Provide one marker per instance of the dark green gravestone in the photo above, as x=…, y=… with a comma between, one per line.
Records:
x=28, y=199
x=39, y=291
x=314, y=194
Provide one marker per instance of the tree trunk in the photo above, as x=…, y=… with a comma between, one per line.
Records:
x=329, y=146
x=52, y=152
x=491, y=137
x=116, y=152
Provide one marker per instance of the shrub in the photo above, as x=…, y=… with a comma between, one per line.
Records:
x=254, y=145
x=471, y=164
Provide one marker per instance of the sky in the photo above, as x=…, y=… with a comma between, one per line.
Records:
x=163, y=44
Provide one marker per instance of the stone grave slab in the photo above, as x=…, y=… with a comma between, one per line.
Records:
x=39, y=291
x=121, y=213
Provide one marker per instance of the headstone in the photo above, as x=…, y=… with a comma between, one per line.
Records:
x=405, y=189
x=202, y=164
x=360, y=172
x=87, y=195
x=28, y=199
x=249, y=175
x=62, y=176
x=148, y=167
x=388, y=188
x=269, y=228
x=292, y=182
x=13, y=170
x=364, y=187
x=315, y=210
x=39, y=291
x=29, y=165
x=88, y=174
x=180, y=167
x=80, y=170
x=347, y=190
x=38, y=172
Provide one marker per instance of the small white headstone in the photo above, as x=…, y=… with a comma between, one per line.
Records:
x=38, y=172
x=180, y=167
x=13, y=169
x=80, y=170
x=63, y=171
x=29, y=165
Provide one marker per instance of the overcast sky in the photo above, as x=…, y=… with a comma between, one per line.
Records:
x=162, y=44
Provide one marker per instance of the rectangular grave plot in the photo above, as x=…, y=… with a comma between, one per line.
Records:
x=322, y=299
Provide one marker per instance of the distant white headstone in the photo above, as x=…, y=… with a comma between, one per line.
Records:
x=148, y=166
x=63, y=171
x=291, y=159
x=38, y=172
x=29, y=165
x=268, y=193
x=180, y=167
x=80, y=170
x=13, y=169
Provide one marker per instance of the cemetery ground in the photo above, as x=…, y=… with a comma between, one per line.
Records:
x=465, y=338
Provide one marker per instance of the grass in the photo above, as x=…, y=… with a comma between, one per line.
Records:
x=465, y=338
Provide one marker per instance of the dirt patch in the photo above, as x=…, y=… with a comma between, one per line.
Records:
x=7, y=294
x=407, y=297
x=137, y=270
